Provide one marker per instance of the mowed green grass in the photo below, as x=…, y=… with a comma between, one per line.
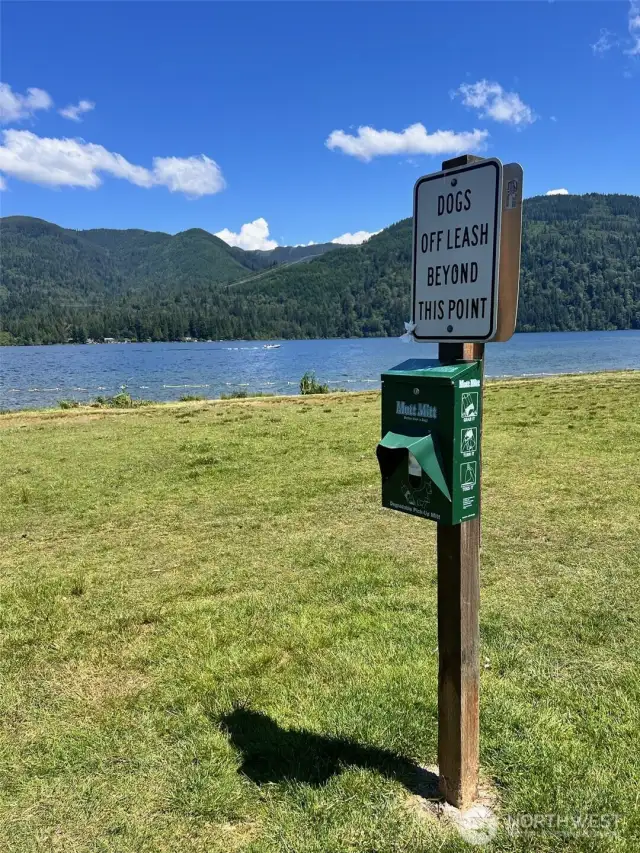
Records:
x=214, y=639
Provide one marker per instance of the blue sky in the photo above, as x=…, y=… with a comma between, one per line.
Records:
x=253, y=110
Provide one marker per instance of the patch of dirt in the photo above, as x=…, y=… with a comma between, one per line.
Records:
x=477, y=825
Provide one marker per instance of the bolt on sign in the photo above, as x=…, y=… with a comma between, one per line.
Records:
x=456, y=250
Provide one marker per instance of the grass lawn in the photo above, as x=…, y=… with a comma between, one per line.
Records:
x=214, y=639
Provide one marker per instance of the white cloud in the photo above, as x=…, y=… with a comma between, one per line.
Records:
x=76, y=163
x=193, y=176
x=629, y=45
x=64, y=162
x=606, y=41
x=15, y=107
x=634, y=27
x=354, y=239
x=3, y=184
x=370, y=143
x=492, y=101
x=255, y=235
x=252, y=235
x=561, y=191
x=75, y=112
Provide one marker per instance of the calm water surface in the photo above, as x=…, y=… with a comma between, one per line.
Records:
x=34, y=377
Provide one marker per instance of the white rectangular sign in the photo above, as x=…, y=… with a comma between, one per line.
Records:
x=456, y=253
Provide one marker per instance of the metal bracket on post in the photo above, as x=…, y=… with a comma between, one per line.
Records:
x=464, y=160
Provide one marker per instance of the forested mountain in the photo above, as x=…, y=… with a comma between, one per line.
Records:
x=58, y=284
x=580, y=270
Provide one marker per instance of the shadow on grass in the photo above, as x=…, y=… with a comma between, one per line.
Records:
x=273, y=754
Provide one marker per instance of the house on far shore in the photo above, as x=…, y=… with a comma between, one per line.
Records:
x=109, y=340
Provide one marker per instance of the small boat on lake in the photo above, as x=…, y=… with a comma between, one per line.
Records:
x=271, y=346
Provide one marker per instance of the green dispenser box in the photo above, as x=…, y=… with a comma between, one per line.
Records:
x=429, y=454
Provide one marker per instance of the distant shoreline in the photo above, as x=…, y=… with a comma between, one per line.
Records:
x=112, y=342
x=257, y=397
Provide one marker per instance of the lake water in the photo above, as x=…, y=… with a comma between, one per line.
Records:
x=35, y=377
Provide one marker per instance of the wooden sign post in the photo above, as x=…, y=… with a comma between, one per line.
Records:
x=467, y=225
x=492, y=258
x=458, y=559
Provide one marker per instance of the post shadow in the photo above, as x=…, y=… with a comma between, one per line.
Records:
x=275, y=754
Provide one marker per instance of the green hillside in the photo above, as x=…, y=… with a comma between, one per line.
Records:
x=580, y=270
x=59, y=284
